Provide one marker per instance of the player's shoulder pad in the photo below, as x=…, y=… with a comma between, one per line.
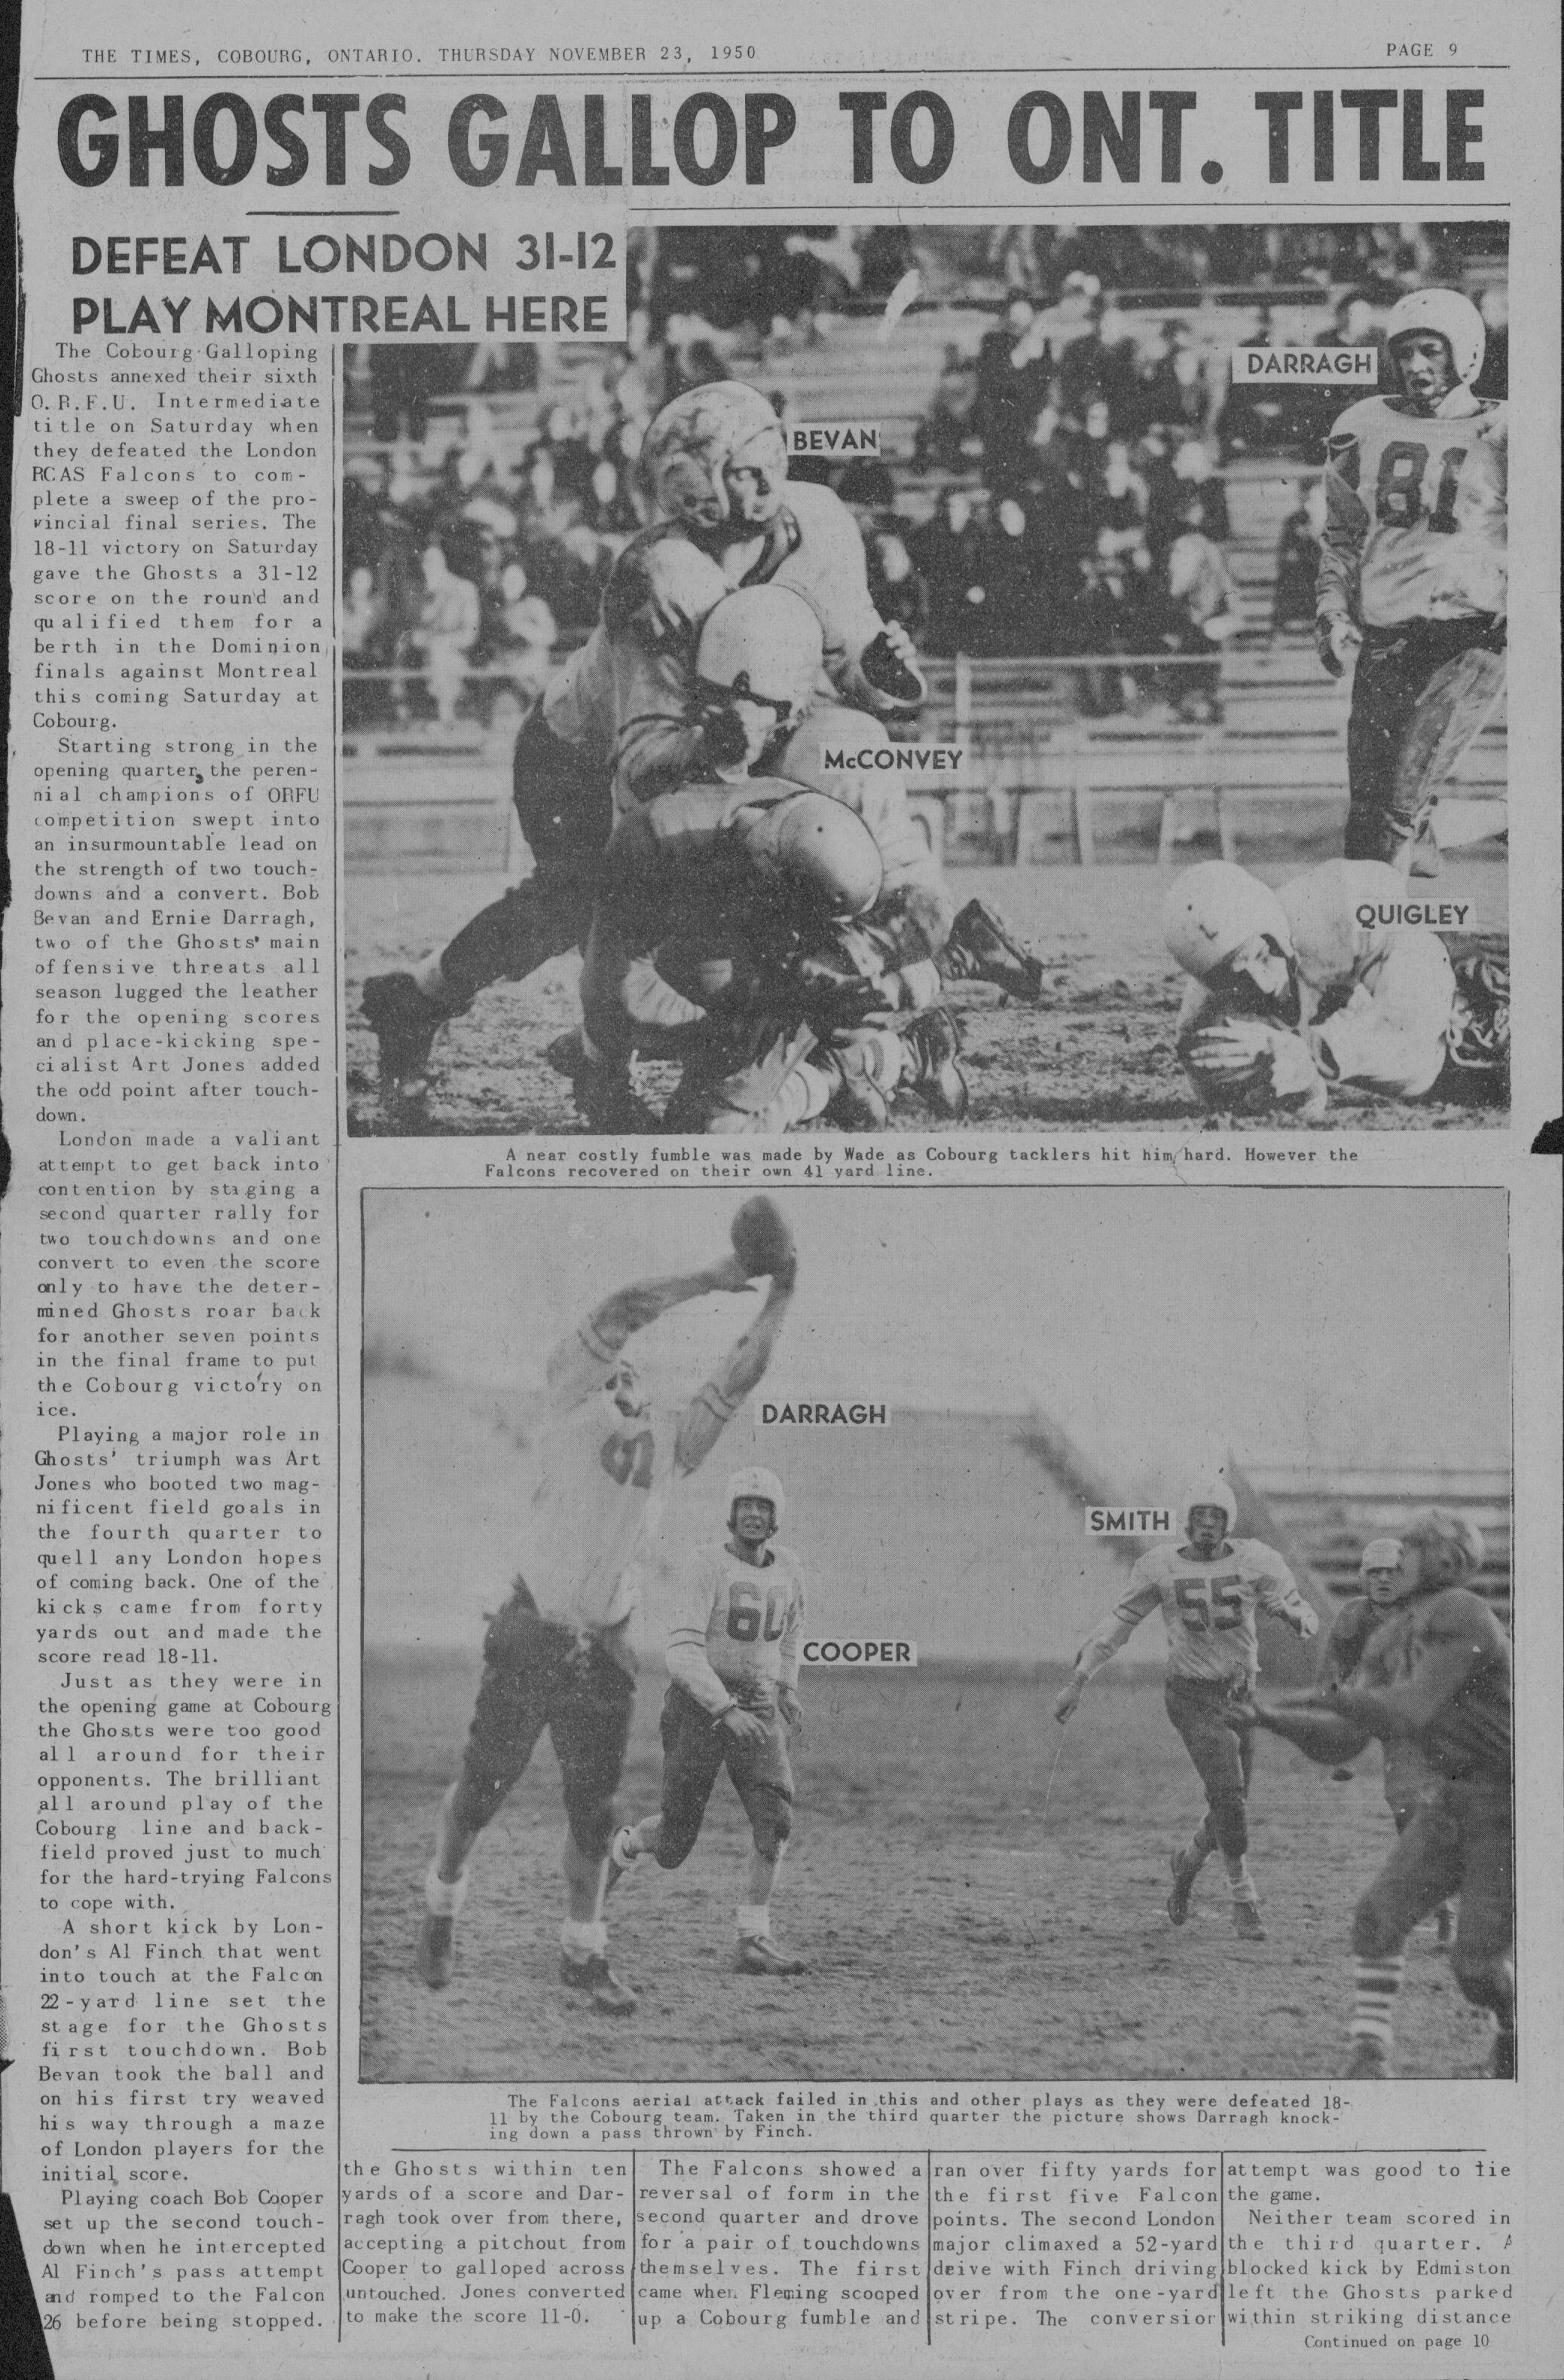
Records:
x=821, y=516
x=659, y=560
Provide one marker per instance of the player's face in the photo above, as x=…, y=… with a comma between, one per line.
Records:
x=1207, y=1527
x=624, y=1390
x=1438, y=1564
x=1264, y=964
x=1384, y=1588
x=753, y=1520
x=1423, y=359
x=753, y=481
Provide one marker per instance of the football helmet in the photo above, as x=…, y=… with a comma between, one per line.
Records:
x=1213, y=909
x=761, y=644
x=691, y=442
x=1455, y=319
x=816, y=853
x=1215, y=1492
x=763, y=1486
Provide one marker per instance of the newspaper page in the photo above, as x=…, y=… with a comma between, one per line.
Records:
x=781, y=1278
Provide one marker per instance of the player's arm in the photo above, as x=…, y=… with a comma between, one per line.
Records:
x=1392, y=1040
x=1459, y=1634
x=839, y=590
x=718, y=1399
x=1336, y=596
x=1327, y=1735
x=1114, y=1628
x=1277, y=1595
x=583, y=1360
x=1343, y=1647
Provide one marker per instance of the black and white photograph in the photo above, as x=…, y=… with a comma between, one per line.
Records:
x=1138, y=591
x=977, y=1636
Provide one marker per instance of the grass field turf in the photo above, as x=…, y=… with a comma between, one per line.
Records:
x=950, y=1931
x=1098, y=1050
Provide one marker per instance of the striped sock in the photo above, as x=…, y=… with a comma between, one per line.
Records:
x=1375, y=1982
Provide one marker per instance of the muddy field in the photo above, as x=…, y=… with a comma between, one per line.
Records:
x=1098, y=1050
x=959, y=1918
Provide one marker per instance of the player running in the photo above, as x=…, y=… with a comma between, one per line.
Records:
x=558, y=1655
x=1414, y=574
x=1208, y=1588
x=1436, y=1676
x=1386, y=1582
x=733, y=1655
x=1321, y=983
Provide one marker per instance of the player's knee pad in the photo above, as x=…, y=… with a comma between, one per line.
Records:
x=1373, y=1935
x=675, y=1843
x=771, y=1819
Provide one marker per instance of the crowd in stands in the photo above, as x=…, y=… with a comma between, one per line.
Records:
x=1064, y=498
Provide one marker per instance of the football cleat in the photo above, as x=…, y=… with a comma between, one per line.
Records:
x=1501, y=2065
x=609, y=1997
x=932, y=1042
x=1370, y=2060
x=1246, y=1920
x=858, y=1103
x=1185, y=1871
x=405, y=1024
x=758, y=1955
x=605, y=1098
x=886, y=671
x=981, y=949
x=437, y=1952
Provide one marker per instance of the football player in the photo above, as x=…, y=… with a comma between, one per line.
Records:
x=1385, y=1576
x=1414, y=574
x=733, y=1656
x=557, y=1656
x=1317, y=984
x=627, y=711
x=1208, y=1588
x=1436, y=1676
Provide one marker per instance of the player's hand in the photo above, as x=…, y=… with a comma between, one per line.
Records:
x=1070, y=1694
x=1336, y=638
x=789, y=1710
x=1241, y=1714
x=725, y=737
x=744, y=1726
x=728, y=1275
x=834, y=993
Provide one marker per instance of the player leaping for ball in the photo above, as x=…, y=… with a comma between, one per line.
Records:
x=559, y=1658
x=1208, y=1588
x=1414, y=574
x=733, y=1655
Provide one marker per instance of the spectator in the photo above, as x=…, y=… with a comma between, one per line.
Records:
x=948, y=437
x=946, y=554
x=1203, y=604
x=1014, y=371
x=523, y=634
x=365, y=645
x=1013, y=617
x=1106, y=614
x=1194, y=465
x=1298, y=556
x=446, y=630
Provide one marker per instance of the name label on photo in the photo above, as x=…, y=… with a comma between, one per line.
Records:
x=860, y=1653
x=831, y=437
x=1131, y=1520
x=1358, y=365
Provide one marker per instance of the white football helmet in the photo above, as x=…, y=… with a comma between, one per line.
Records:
x=762, y=1484
x=692, y=440
x=1215, y=1492
x=817, y=854
x=1453, y=317
x=762, y=643
x=1213, y=909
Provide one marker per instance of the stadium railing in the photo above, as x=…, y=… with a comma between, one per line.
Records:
x=1039, y=770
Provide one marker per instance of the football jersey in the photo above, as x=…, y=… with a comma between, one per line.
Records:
x=1407, y=1772
x=1208, y=1608
x=737, y=1627
x=1471, y=1734
x=600, y=1487
x=1416, y=508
